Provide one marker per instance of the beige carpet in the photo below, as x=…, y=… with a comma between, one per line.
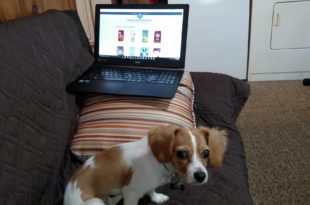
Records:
x=275, y=127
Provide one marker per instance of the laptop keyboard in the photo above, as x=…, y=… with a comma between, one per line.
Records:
x=133, y=75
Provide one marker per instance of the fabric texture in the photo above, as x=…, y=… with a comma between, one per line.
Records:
x=83, y=37
x=39, y=56
x=219, y=99
x=106, y=120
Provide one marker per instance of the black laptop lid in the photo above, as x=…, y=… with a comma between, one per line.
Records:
x=151, y=35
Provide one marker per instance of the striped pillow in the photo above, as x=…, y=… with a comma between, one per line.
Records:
x=107, y=120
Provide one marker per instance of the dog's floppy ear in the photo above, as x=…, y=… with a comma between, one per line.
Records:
x=161, y=140
x=217, y=142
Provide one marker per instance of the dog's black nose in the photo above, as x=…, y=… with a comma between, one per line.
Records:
x=200, y=176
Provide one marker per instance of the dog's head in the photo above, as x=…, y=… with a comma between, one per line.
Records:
x=189, y=151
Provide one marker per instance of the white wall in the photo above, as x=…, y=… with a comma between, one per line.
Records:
x=86, y=11
x=217, y=36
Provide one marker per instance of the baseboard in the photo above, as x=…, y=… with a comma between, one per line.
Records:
x=278, y=76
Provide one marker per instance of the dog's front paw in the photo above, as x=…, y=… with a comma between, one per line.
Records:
x=158, y=198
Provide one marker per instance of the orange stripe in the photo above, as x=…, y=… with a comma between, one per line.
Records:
x=103, y=137
x=96, y=133
x=117, y=141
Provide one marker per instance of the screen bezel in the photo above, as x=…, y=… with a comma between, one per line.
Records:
x=159, y=62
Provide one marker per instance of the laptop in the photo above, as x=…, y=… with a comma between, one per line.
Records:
x=139, y=50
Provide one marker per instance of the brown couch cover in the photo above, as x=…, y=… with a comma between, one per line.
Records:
x=39, y=56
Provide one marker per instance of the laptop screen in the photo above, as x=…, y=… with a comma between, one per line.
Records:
x=144, y=35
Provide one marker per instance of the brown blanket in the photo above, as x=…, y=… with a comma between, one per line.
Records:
x=39, y=56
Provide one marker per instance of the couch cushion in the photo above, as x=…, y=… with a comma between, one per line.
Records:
x=220, y=99
x=108, y=120
x=38, y=57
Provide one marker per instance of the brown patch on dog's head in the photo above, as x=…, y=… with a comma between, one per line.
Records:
x=174, y=144
x=161, y=140
x=202, y=146
x=217, y=143
x=183, y=151
x=189, y=150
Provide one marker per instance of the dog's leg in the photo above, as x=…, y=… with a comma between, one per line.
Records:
x=113, y=200
x=131, y=198
x=94, y=201
x=158, y=198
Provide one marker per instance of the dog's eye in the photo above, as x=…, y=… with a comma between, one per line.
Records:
x=205, y=153
x=182, y=154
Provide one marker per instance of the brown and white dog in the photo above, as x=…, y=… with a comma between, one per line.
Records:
x=132, y=170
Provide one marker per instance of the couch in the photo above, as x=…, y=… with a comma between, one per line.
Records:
x=39, y=57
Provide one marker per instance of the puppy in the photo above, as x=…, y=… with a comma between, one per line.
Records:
x=132, y=170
